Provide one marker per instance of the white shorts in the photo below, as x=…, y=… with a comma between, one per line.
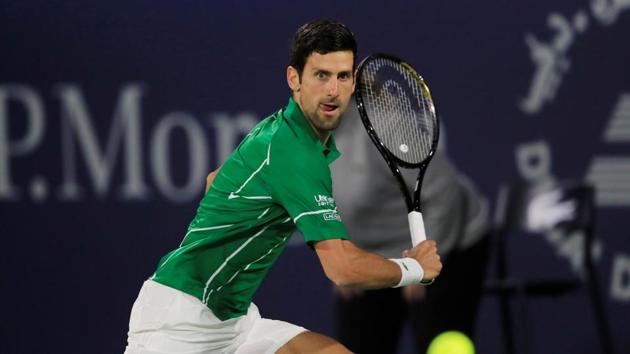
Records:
x=168, y=321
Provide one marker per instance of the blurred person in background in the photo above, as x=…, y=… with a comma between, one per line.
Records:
x=374, y=211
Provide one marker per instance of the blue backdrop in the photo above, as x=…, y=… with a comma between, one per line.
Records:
x=112, y=114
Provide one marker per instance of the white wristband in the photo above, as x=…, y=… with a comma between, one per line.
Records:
x=412, y=272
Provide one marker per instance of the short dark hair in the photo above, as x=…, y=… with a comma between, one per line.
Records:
x=320, y=36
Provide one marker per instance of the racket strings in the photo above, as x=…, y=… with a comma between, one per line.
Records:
x=390, y=115
x=399, y=108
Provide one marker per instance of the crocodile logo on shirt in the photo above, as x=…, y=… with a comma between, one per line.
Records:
x=332, y=216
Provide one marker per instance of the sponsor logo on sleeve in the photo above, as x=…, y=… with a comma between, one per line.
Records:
x=325, y=201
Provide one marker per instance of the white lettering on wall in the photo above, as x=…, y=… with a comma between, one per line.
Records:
x=197, y=152
x=105, y=155
x=78, y=133
x=31, y=139
x=620, y=283
x=533, y=161
x=551, y=57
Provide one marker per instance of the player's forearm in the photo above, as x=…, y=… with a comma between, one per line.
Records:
x=370, y=271
x=355, y=268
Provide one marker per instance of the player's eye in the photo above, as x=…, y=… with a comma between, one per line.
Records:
x=344, y=76
x=321, y=75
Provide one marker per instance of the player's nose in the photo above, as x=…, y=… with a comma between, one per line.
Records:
x=333, y=88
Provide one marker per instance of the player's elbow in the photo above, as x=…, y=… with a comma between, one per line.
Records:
x=341, y=278
x=337, y=259
x=344, y=275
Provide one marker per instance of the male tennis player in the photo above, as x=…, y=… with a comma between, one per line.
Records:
x=199, y=300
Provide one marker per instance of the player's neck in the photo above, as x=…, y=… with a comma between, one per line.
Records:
x=322, y=135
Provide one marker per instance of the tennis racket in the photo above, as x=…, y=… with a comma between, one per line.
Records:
x=399, y=115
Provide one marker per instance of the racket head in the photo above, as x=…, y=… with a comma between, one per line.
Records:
x=397, y=109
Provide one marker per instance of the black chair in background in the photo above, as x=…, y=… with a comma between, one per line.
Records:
x=527, y=208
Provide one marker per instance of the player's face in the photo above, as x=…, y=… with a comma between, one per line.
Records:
x=324, y=89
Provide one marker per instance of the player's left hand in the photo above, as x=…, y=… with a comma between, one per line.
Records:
x=210, y=178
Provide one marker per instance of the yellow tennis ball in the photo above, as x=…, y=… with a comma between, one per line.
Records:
x=451, y=342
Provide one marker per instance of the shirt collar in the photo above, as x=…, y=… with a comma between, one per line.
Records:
x=293, y=114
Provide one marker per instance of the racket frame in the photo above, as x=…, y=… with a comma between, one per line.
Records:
x=393, y=162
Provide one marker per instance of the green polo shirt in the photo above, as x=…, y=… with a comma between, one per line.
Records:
x=277, y=179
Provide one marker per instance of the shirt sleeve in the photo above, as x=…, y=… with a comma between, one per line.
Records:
x=304, y=189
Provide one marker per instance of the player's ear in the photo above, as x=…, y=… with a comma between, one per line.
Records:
x=354, y=80
x=293, y=79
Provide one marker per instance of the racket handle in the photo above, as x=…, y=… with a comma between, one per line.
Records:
x=416, y=226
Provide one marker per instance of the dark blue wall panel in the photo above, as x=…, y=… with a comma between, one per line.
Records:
x=112, y=113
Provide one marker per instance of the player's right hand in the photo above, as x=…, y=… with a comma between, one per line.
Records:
x=426, y=254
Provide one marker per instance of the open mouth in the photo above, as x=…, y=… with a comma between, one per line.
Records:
x=328, y=108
